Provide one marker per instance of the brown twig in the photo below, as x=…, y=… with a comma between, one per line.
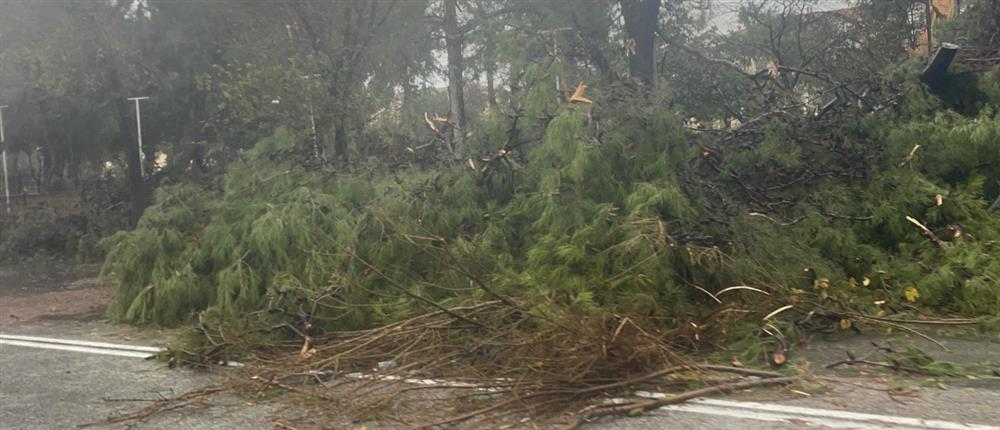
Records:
x=904, y=328
x=160, y=406
x=927, y=232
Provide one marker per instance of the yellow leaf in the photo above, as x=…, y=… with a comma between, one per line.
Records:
x=912, y=294
x=866, y=282
x=845, y=324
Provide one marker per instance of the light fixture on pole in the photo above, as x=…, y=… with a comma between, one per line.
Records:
x=138, y=128
x=6, y=184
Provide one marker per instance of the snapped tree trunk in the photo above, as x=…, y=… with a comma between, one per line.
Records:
x=641, y=22
x=455, y=44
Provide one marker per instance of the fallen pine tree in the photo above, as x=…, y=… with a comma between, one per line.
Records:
x=594, y=248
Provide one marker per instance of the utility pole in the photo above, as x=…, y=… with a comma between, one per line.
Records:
x=138, y=127
x=6, y=184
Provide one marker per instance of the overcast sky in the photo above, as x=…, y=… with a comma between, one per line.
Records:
x=725, y=11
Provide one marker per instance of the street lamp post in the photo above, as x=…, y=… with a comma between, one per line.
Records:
x=6, y=183
x=138, y=128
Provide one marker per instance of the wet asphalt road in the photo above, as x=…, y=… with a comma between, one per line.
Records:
x=49, y=389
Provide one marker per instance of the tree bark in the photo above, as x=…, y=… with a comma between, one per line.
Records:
x=455, y=44
x=50, y=153
x=491, y=92
x=340, y=138
x=641, y=22
x=929, y=24
x=138, y=195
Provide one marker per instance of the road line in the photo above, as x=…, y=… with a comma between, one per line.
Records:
x=100, y=345
x=847, y=416
x=803, y=422
x=822, y=417
x=89, y=350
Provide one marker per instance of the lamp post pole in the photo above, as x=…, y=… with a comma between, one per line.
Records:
x=138, y=128
x=6, y=183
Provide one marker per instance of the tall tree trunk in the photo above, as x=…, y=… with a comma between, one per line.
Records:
x=929, y=24
x=73, y=167
x=409, y=97
x=491, y=92
x=47, y=160
x=455, y=44
x=138, y=195
x=641, y=22
x=340, y=138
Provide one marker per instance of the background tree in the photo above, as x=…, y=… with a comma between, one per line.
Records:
x=642, y=19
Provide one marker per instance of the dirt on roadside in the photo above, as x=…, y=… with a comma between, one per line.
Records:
x=51, y=291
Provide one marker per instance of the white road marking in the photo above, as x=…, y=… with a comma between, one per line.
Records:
x=723, y=408
x=815, y=417
x=844, y=415
x=803, y=422
x=102, y=345
x=86, y=349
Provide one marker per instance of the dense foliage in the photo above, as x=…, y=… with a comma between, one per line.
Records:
x=307, y=167
x=617, y=215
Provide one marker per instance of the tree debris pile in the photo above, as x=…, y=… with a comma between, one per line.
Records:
x=613, y=246
x=474, y=365
x=565, y=250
